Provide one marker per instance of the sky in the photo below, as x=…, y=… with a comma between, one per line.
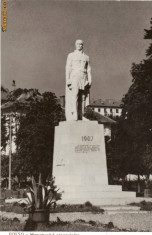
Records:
x=41, y=33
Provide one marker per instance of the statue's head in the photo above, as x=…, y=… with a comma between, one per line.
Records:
x=79, y=45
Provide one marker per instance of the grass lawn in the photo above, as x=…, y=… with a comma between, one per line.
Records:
x=81, y=226
x=87, y=207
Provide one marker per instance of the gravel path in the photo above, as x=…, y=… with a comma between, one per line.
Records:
x=128, y=221
x=139, y=222
x=12, y=215
x=134, y=221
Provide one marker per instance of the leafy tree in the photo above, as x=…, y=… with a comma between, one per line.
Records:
x=35, y=137
x=147, y=159
x=148, y=35
x=113, y=154
x=135, y=125
x=5, y=166
x=4, y=134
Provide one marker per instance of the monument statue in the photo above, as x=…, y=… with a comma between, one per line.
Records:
x=78, y=83
x=79, y=158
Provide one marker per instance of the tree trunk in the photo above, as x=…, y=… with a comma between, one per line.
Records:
x=147, y=181
x=19, y=183
x=40, y=178
x=139, y=188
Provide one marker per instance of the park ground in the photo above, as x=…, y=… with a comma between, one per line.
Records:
x=89, y=221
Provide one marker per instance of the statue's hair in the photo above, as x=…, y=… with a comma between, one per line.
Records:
x=79, y=40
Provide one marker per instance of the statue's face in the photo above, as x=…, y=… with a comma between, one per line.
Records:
x=79, y=45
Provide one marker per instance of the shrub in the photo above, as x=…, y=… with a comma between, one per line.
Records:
x=88, y=204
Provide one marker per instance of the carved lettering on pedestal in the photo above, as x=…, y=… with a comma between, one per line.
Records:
x=87, y=148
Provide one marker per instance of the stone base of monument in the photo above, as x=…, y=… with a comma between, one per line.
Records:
x=80, y=167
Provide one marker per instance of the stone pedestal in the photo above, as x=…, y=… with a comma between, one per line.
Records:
x=79, y=164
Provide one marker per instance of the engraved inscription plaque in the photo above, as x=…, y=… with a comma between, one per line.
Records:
x=87, y=148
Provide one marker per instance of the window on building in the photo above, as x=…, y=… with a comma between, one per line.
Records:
x=110, y=110
x=117, y=110
x=98, y=109
x=105, y=111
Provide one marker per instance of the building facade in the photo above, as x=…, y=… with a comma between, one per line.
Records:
x=108, y=107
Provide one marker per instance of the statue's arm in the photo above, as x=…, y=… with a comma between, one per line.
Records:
x=68, y=69
x=89, y=73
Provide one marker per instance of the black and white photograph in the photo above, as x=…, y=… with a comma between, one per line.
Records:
x=76, y=117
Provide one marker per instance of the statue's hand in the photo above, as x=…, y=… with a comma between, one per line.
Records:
x=88, y=85
x=69, y=86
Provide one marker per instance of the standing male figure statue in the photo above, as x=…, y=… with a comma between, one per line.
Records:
x=78, y=82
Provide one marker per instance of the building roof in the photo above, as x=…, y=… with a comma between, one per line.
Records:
x=103, y=119
x=95, y=116
x=106, y=103
x=18, y=98
x=4, y=93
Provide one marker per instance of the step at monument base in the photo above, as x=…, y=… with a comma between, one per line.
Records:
x=92, y=188
x=106, y=201
x=97, y=195
x=98, y=201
